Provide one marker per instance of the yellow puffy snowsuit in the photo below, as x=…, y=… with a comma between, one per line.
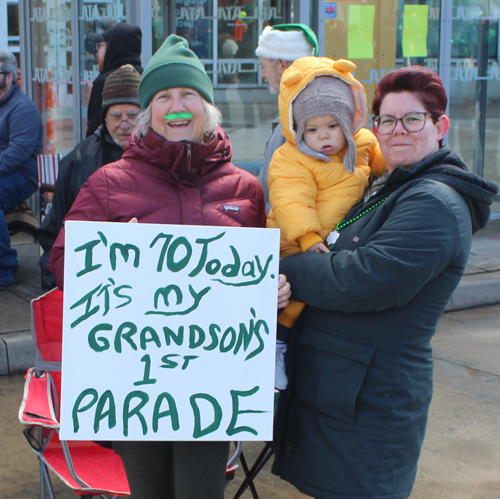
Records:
x=308, y=196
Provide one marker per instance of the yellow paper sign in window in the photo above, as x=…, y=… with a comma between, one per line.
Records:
x=415, y=26
x=360, y=31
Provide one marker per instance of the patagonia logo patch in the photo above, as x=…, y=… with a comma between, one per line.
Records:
x=230, y=207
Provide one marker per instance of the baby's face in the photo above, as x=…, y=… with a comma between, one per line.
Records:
x=323, y=134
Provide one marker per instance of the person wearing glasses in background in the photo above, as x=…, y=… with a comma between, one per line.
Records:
x=119, y=45
x=352, y=422
x=21, y=133
x=120, y=108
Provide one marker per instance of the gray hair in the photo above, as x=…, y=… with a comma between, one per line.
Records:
x=9, y=62
x=212, y=115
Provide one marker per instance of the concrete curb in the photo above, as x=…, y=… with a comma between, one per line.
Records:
x=478, y=290
x=16, y=353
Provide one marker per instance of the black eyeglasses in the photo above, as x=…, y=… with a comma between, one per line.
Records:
x=5, y=73
x=385, y=124
x=99, y=45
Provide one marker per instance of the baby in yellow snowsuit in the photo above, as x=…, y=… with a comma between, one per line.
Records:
x=323, y=169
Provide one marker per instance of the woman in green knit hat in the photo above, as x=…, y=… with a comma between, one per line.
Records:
x=176, y=95
x=176, y=169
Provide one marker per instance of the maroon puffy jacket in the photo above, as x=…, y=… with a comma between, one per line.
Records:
x=158, y=181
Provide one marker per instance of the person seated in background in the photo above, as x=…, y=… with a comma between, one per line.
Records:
x=21, y=133
x=120, y=108
x=119, y=45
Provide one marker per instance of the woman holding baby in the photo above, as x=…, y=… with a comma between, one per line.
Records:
x=352, y=421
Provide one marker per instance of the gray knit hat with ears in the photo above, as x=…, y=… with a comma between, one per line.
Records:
x=325, y=95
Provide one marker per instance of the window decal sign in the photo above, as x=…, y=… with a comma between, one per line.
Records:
x=331, y=10
x=415, y=30
x=360, y=31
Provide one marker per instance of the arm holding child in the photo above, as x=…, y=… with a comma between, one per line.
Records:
x=292, y=193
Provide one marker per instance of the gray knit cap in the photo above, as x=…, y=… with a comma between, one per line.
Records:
x=326, y=95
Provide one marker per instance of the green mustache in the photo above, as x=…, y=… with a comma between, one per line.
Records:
x=176, y=116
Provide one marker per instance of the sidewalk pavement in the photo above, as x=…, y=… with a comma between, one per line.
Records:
x=480, y=286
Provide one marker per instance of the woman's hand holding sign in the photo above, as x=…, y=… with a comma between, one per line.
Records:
x=284, y=291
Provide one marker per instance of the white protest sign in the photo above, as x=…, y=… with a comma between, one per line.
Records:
x=168, y=332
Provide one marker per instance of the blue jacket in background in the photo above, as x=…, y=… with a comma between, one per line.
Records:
x=21, y=133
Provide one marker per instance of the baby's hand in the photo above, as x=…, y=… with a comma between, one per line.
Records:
x=318, y=248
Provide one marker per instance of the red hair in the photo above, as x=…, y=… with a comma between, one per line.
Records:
x=424, y=83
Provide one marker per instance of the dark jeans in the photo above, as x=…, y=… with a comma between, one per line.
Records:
x=14, y=189
x=174, y=470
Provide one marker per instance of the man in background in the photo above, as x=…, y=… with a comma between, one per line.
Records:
x=119, y=45
x=278, y=47
x=21, y=134
x=120, y=108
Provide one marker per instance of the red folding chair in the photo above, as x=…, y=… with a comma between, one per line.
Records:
x=48, y=170
x=88, y=468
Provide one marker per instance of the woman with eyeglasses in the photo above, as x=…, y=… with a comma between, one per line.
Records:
x=352, y=422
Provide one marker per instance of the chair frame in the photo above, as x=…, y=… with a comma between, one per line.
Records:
x=42, y=425
x=27, y=216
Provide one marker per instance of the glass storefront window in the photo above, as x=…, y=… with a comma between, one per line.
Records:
x=95, y=17
x=224, y=34
x=194, y=22
x=51, y=62
x=237, y=37
x=426, y=18
x=475, y=86
x=380, y=36
x=13, y=26
x=158, y=26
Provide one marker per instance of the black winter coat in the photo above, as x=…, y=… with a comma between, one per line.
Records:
x=74, y=170
x=124, y=47
x=352, y=422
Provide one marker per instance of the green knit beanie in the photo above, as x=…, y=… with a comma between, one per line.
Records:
x=174, y=65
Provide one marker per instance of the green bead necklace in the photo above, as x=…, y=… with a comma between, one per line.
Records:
x=335, y=234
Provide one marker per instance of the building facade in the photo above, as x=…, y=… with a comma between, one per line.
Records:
x=459, y=39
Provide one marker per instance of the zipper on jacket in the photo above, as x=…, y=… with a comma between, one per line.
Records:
x=188, y=153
